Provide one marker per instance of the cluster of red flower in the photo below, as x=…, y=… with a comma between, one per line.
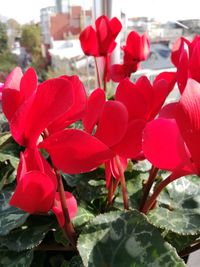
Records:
x=114, y=130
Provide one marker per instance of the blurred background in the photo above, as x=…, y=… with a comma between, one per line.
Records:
x=45, y=34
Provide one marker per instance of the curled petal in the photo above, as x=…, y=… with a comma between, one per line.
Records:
x=94, y=109
x=71, y=206
x=75, y=151
x=35, y=192
x=164, y=147
x=112, y=124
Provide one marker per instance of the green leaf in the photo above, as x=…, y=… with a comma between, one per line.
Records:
x=13, y=160
x=76, y=261
x=28, y=236
x=14, y=259
x=38, y=259
x=91, y=186
x=4, y=138
x=82, y=217
x=180, y=241
x=6, y=170
x=10, y=217
x=60, y=237
x=134, y=184
x=179, y=209
x=119, y=239
x=65, y=264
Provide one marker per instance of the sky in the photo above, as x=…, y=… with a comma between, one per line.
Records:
x=26, y=10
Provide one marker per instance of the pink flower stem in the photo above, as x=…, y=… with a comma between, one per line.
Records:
x=97, y=71
x=68, y=226
x=105, y=72
x=151, y=201
x=123, y=183
x=148, y=185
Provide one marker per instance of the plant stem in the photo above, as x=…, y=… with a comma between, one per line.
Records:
x=105, y=73
x=68, y=227
x=148, y=186
x=53, y=247
x=150, y=202
x=189, y=250
x=123, y=183
x=97, y=71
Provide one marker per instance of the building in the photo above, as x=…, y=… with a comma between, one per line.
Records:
x=58, y=25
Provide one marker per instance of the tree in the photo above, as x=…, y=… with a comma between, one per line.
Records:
x=3, y=37
x=31, y=39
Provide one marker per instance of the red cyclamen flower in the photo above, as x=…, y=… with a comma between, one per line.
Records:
x=172, y=142
x=36, y=183
x=101, y=41
x=137, y=49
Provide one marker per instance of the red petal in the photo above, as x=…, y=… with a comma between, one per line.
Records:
x=88, y=40
x=52, y=99
x=131, y=145
x=161, y=91
x=112, y=124
x=137, y=46
x=32, y=160
x=188, y=118
x=118, y=72
x=182, y=71
x=169, y=77
x=163, y=146
x=169, y=111
x=10, y=102
x=114, y=168
x=94, y=109
x=71, y=206
x=145, y=88
x=76, y=111
x=13, y=79
x=75, y=151
x=28, y=84
x=35, y=192
x=105, y=35
x=194, y=64
x=115, y=26
x=133, y=100
x=11, y=93
x=179, y=46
